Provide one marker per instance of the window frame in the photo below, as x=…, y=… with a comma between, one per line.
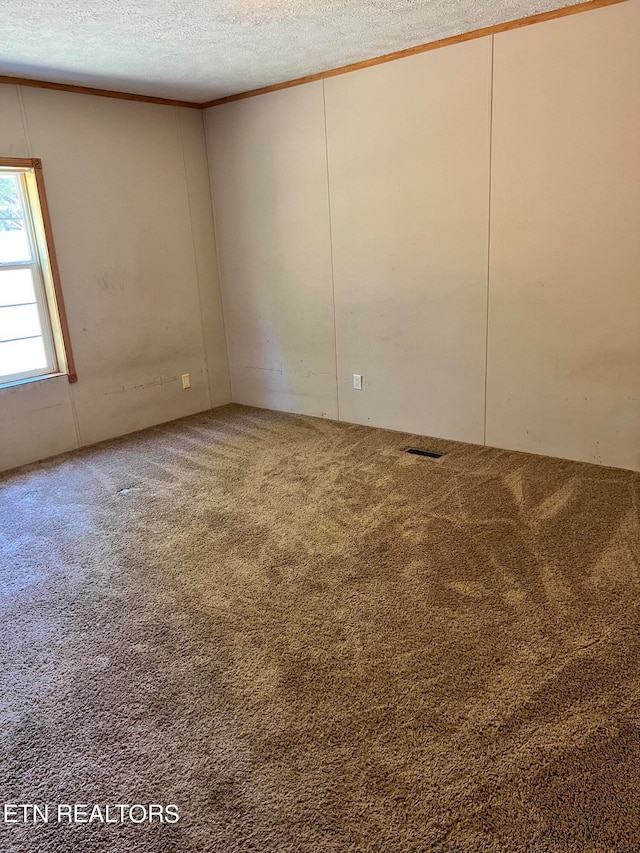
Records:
x=46, y=278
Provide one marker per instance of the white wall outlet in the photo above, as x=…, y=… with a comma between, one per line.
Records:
x=186, y=381
x=357, y=381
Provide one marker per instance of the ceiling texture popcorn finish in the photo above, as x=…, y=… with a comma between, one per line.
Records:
x=199, y=50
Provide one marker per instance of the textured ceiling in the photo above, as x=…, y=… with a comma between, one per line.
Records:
x=203, y=49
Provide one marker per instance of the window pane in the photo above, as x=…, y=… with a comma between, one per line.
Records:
x=22, y=356
x=21, y=322
x=14, y=243
x=16, y=287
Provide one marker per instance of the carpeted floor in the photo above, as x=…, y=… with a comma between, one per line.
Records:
x=310, y=641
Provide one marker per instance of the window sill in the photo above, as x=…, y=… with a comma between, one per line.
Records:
x=14, y=384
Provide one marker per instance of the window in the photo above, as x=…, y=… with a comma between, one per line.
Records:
x=34, y=341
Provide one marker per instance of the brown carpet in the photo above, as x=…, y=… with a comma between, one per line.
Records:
x=310, y=641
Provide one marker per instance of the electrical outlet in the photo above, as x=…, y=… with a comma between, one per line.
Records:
x=186, y=381
x=357, y=381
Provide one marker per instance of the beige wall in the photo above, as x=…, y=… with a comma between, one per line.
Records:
x=408, y=150
x=269, y=179
x=564, y=324
x=402, y=153
x=358, y=232
x=127, y=185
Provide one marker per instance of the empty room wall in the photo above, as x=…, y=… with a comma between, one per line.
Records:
x=406, y=190
x=269, y=169
x=127, y=186
x=408, y=147
x=482, y=262
x=564, y=321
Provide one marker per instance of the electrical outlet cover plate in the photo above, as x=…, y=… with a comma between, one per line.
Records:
x=357, y=381
x=186, y=381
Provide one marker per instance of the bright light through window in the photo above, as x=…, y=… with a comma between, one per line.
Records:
x=32, y=323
